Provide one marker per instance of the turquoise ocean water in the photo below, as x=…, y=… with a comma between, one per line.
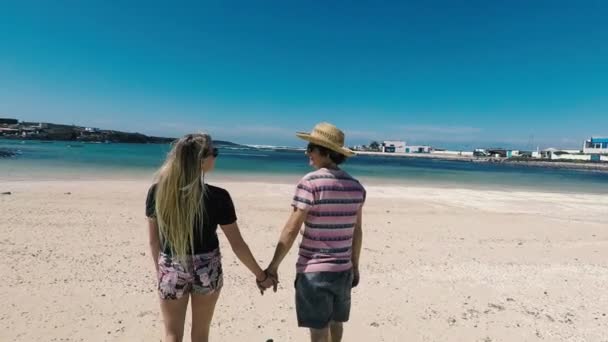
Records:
x=72, y=160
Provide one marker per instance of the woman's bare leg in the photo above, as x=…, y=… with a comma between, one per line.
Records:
x=174, y=315
x=203, y=307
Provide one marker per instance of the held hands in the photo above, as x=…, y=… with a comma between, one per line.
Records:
x=270, y=279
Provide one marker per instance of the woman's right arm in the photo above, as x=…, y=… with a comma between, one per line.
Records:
x=242, y=251
x=154, y=241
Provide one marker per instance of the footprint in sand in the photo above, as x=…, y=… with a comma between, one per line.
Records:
x=496, y=306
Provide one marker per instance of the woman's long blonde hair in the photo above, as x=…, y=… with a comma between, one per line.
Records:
x=180, y=192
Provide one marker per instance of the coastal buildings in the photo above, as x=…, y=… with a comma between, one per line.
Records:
x=398, y=146
x=569, y=155
x=11, y=127
x=393, y=146
x=596, y=146
x=418, y=149
x=594, y=150
x=498, y=152
x=50, y=132
x=557, y=154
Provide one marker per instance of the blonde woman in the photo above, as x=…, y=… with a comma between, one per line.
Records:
x=183, y=214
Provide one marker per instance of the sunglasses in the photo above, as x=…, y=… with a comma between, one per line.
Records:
x=214, y=152
x=311, y=147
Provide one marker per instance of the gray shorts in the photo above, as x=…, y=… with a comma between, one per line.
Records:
x=323, y=297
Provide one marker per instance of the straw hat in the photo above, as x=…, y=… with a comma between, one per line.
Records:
x=327, y=135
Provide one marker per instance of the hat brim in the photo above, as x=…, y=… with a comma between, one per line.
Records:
x=322, y=142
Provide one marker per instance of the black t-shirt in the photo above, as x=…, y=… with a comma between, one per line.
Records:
x=218, y=209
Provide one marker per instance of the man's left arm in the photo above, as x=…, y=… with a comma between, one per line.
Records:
x=357, y=243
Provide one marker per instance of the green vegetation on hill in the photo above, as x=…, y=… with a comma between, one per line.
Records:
x=12, y=129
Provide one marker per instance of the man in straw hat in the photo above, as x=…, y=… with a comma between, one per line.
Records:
x=328, y=201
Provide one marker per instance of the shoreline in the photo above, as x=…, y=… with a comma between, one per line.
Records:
x=417, y=155
x=598, y=167
x=288, y=182
x=576, y=165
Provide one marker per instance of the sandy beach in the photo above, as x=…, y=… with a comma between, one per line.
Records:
x=438, y=264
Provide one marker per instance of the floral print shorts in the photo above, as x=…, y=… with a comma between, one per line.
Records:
x=202, y=274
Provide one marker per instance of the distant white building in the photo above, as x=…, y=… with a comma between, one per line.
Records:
x=548, y=153
x=596, y=146
x=91, y=130
x=398, y=146
x=557, y=154
x=393, y=146
x=8, y=131
x=418, y=149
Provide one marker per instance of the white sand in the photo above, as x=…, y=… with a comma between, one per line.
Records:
x=437, y=265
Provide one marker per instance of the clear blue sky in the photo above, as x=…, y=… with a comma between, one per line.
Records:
x=454, y=73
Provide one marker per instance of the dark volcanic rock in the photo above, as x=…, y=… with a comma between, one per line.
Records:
x=7, y=153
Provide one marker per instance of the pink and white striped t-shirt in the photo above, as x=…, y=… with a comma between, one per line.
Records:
x=332, y=198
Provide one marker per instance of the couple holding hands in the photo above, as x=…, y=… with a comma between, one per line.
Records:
x=184, y=212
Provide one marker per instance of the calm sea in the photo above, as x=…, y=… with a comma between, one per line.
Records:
x=70, y=160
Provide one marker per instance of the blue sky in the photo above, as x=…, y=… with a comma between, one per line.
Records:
x=450, y=73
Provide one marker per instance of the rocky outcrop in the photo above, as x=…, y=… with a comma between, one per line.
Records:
x=7, y=153
x=56, y=132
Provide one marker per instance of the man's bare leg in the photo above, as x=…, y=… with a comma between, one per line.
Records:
x=336, y=329
x=320, y=335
